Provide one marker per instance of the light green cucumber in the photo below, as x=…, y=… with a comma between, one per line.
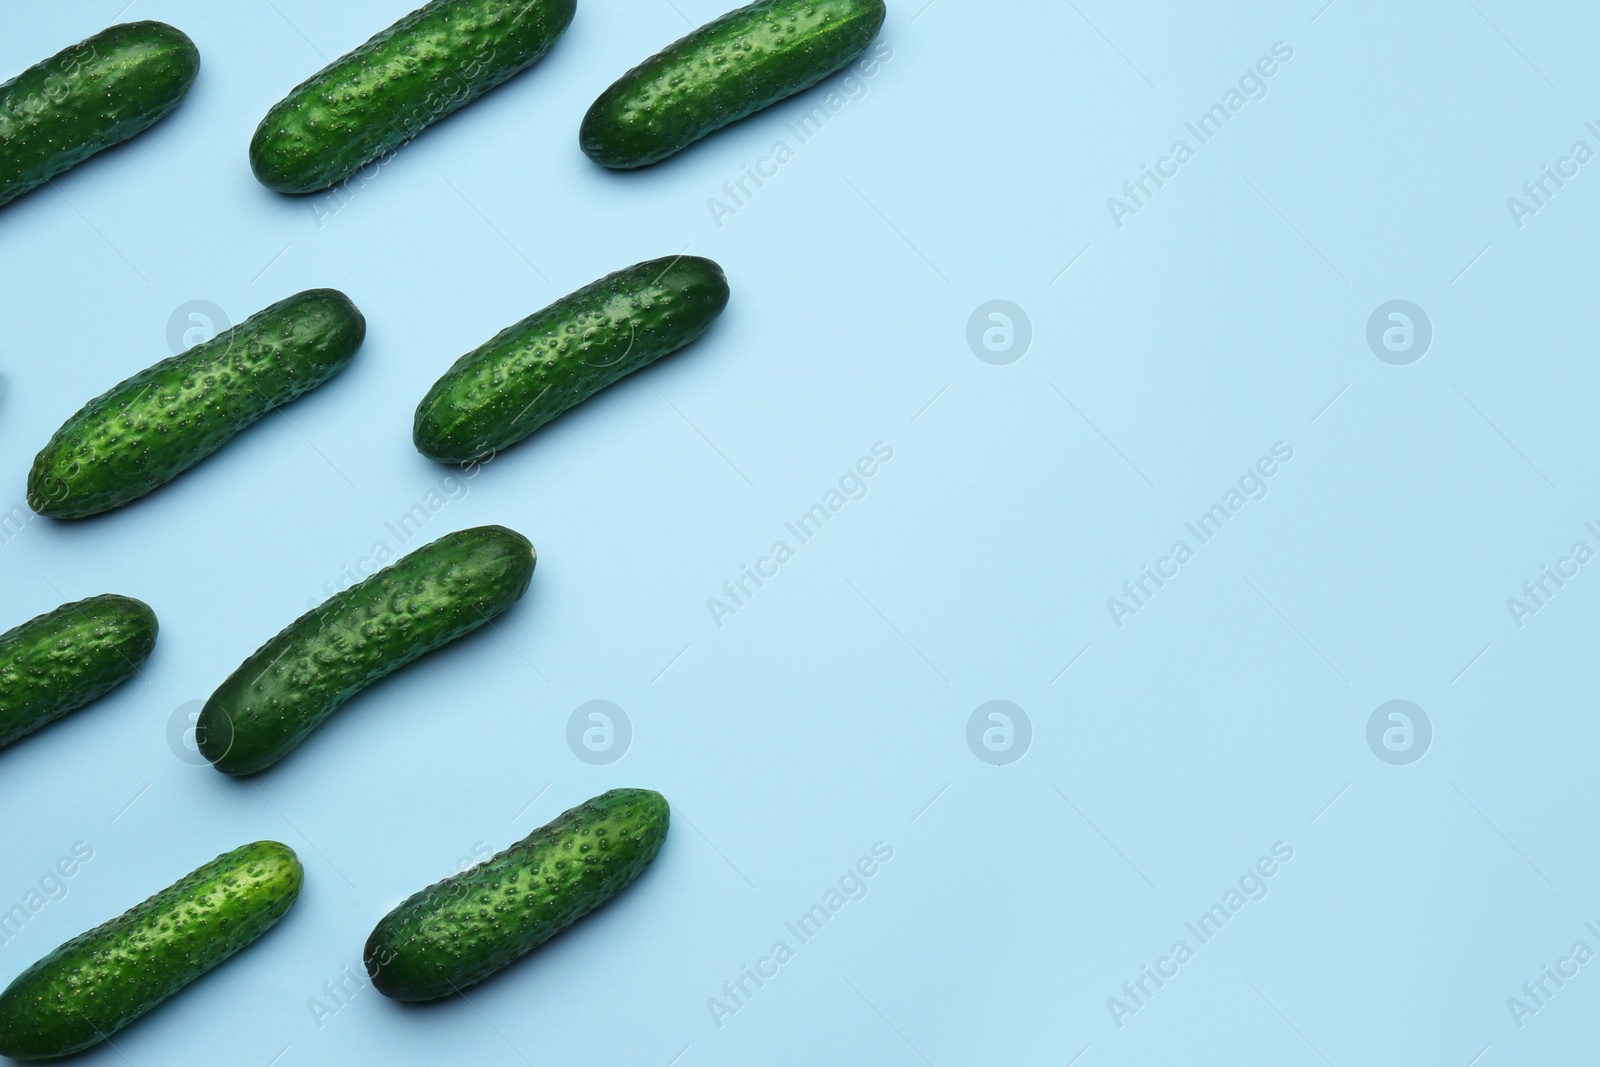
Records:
x=467, y=927
x=149, y=429
x=741, y=63
x=531, y=372
x=67, y=658
x=99, y=982
x=84, y=99
x=431, y=63
x=291, y=684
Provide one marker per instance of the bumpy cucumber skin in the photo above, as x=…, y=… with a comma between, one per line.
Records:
x=431, y=63
x=424, y=600
x=67, y=658
x=101, y=981
x=86, y=98
x=529, y=373
x=467, y=927
x=157, y=424
x=730, y=68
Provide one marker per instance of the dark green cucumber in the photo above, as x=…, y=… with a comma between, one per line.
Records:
x=69, y=657
x=291, y=684
x=467, y=927
x=730, y=68
x=86, y=98
x=527, y=374
x=101, y=981
x=165, y=419
x=435, y=61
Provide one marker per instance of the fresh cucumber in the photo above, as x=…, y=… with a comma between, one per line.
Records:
x=529, y=373
x=66, y=658
x=467, y=927
x=730, y=68
x=86, y=98
x=434, y=61
x=101, y=981
x=165, y=419
x=291, y=684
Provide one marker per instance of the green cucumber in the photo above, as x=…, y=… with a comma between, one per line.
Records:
x=529, y=373
x=86, y=98
x=67, y=658
x=422, y=601
x=165, y=419
x=460, y=931
x=101, y=981
x=435, y=61
x=732, y=67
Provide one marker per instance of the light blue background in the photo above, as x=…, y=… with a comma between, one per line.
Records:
x=1227, y=715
